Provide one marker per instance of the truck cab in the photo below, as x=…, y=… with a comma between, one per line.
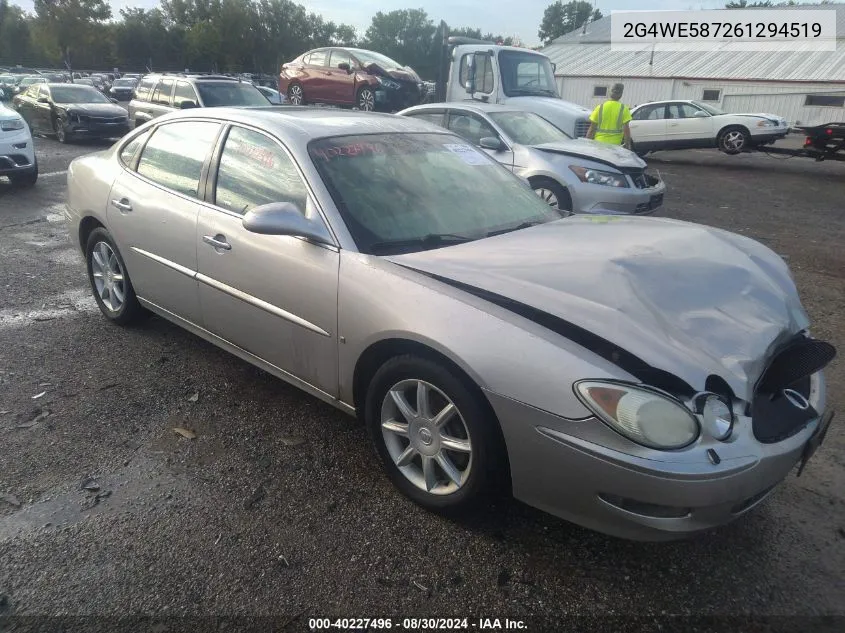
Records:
x=518, y=77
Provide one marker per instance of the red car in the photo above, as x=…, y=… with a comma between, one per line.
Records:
x=350, y=77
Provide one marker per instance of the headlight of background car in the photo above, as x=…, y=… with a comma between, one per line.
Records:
x=9, y=126
x=597, y=177
x=642, y=416
x=765, y=124
x=388, y=83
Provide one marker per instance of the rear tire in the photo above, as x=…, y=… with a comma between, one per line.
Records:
x=26, y=179
x=296, y=95
x=109, y=279
x=457, y=476
x=553, y=194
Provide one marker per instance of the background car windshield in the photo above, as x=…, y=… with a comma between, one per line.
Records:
x=76, y=94
x=526, y=73
x=28, y=81
x=369, y=57
x=396, y=187
x=527, y=128
x=708, y=108
x=230, y=93
x=124, y=83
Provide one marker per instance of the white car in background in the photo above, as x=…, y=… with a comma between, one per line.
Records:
x=17, y=153
x=681, y=124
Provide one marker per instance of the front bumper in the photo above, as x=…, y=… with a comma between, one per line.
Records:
x=769, y=136
x=95, y=129
x=391, y=100
x=568, y=468
x=602, y=200
x=17, y=154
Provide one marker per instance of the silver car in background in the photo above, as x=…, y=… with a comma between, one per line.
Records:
x=644, y=377
x=578, y=175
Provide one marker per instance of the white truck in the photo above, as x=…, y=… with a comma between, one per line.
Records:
x=519, y=77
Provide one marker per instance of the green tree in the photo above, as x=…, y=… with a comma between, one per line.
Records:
x=15, y=40
x=406, y=35
x=745, y=4
x=67, y=27
x=560, y=18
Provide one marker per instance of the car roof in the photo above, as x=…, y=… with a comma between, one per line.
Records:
x=300, y=124
x=662, y=101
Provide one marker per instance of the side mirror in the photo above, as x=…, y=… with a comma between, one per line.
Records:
x=187, y=104
x=345, y=66
x=114, y=100
x=491, y=142
x=700, y=115
x=43, y=100
x=283, y=218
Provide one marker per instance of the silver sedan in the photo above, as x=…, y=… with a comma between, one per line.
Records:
x=644, y=377
x=577, y=175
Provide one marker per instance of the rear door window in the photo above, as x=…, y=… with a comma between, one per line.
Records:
x=142, y=92
x=318, y=58
x=161, y=96
x=431, y=117
x=175, y=154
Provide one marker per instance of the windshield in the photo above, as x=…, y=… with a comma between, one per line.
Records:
x=369, y=57
x=526, y=74
x=229, y=93
x=527, y=128
x=124, y=83
x=397, y=191
x=707, y=108
x=76, y=94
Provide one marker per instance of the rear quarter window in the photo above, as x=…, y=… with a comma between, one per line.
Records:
x=142, y=92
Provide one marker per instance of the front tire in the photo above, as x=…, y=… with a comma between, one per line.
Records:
x=109, y=279
x=26, y=179
x=734, y=140
x=62, y=135
x=438, y=440
x=553, y=194
x=366, y=99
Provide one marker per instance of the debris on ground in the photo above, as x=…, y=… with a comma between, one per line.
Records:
x=12, y=500
x=255, y=497
x=194, y=397
x=38, y=395
x=35, y=416
x=90, y=485
x=292, y=441
x=186, y=433
x=419, y=586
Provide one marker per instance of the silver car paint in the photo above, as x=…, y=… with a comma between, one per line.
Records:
x=590, y=270
x=552, y=160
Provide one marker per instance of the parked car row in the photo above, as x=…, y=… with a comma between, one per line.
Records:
x=644, y=377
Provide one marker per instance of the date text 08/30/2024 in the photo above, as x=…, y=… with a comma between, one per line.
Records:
x=415, y=624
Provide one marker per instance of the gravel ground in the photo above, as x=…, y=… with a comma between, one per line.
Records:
x=278, y=508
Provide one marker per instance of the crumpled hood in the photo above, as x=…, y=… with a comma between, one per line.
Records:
x=400, y=74
x=775, y=118
x=687, y=299
x=94, y=109
x=616, y=155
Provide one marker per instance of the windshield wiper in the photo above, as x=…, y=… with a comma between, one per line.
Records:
x=518, y=227
x=432, y=240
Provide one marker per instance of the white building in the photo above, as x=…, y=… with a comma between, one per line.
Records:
x=806, y=88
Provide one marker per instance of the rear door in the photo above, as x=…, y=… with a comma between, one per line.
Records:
x=648, y=127
x=273, y=296
x=140, y=110
x=160, y=103
x=315, y=82
x=341, y=82
x=153, y=209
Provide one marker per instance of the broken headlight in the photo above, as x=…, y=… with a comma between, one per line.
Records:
x=599, y=177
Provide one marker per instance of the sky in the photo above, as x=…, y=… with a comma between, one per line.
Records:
x=506, y=17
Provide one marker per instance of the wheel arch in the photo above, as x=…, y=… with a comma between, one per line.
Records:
x=86, y=227
x=731, y=126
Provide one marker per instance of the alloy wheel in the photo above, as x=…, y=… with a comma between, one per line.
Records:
x=367, y=100
x=734, y=140
x=295, y=94
x=428, y=440
x=109, y=278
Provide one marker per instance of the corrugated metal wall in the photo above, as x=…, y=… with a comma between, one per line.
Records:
x=785, y=99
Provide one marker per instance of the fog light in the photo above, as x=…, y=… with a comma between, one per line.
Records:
x=717, y=418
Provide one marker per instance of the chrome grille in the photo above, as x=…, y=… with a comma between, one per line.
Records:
x=581, y=127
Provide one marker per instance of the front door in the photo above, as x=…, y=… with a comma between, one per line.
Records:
x=342, y=82
x=153, y=212
x=688, y=126
x=273, y=296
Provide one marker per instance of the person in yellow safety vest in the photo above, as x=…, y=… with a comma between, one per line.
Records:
x=609, y=121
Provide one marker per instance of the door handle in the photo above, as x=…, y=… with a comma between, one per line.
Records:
x=122, y=205
x=217, y=241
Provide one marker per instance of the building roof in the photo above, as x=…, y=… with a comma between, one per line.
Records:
x=588, y=54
